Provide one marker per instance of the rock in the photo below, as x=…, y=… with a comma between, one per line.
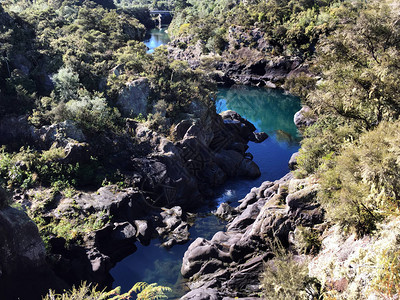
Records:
x=181, y=128
x=173, y=228
x=202, y=294
x=258, y=137
x=225, y=211
x=16, y=131
x=76, y=153
x=304, y=117
x=248, y=169
x=132, y=101
x=24, y=273
x=60, y=133
x=232, y=261
x=293, y=161
x=144, y=232
x=229, y=161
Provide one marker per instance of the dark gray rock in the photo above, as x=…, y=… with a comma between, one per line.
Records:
x=24, y=273
x=132, y=101
x=258, y=137
x=232, y=261
x=293, y=161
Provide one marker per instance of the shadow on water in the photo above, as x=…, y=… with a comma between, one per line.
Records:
x=270, y=111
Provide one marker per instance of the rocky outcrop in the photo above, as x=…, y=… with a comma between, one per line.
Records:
x=24, y=272
x=132, y=100
x=293, y=161
x=246, y=59
x=229, y=265
x=107, y=225
x=304, y=117
x=203, y=156
x=102, y=227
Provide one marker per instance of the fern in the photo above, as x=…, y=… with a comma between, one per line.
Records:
x=143, y=290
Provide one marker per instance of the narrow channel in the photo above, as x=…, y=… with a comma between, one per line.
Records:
x=270, y=111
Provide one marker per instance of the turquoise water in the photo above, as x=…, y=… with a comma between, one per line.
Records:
x=270, y=111
x=158, y=37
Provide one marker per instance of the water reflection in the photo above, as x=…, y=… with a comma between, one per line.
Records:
x=157, y=38
x=270, y=110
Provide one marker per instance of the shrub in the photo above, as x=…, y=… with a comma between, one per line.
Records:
x=144, y=291
x=92, y=113
x=287, y=278
x=362, y=185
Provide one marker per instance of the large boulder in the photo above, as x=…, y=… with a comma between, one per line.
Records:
x=24, y=273
x=132, y=101
x=304, y=117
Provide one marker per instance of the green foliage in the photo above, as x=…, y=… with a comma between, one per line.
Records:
x=144, y=291
x=28, y=168
x=360, y=186
x=66, y=84
x=307, y=240
x=291, y=27
x=285, y=278
x=181, y=89
x=92, y=113
x=360, y=81
x=72, y=226
x=387, y=280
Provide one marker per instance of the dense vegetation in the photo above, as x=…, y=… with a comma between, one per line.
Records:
x=70, y=60
x=291, y=27
x=56, y=64
x=357, y=102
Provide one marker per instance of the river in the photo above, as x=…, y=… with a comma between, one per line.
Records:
x=270, y=111
x=158, y=37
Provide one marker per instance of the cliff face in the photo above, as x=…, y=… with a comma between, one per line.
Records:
x=24, y=272
x=246, y=59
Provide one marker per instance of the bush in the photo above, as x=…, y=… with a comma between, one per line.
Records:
x=144, y=291
x=362, y=185
x=287, y=278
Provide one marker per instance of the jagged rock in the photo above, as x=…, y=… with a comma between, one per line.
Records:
x=60, y=133
x=174, y=228
x=144, y=232
x=231, y=262
x=132, y=101
x=304, y=117
x=293, y=161
x=258, y=137
x=225, y=211
x=76, y=152
x=202, y=294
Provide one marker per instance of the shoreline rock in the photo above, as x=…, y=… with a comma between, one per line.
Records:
x=229, y=265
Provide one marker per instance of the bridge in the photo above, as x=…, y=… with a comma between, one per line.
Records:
x=161, y=17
